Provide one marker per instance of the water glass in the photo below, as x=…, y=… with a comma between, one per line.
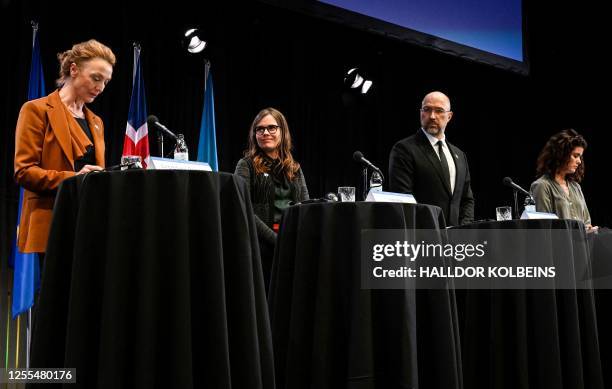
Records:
x=346, y=193
x=503, y=213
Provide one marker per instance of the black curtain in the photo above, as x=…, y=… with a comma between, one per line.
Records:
x=266, y=56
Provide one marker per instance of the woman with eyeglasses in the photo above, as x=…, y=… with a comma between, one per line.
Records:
x=560, y=168
x=275, y=179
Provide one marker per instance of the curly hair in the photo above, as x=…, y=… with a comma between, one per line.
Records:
x=79, y=53
x=556, y=154
x=288, y=165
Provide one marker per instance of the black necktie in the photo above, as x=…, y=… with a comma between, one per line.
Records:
x=444, y=162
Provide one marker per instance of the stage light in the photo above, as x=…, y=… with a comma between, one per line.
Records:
x=367, y=84
x=193, y=42
x=355, y=79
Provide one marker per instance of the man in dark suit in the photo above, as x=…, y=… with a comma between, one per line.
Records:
x=432, y=169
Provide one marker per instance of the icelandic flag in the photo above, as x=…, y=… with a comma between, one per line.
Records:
x=26, y=275
x=136, y=141
x=207, y=145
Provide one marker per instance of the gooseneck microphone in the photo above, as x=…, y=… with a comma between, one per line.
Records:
x=153, y=121
x=358, y=157
x=508, y=182
x=516, y=188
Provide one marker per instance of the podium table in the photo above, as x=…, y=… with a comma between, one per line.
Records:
x=601, y=251
x=330, y=333
x=536, y=338
x=152, y=279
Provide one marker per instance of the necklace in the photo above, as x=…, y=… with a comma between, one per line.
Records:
x=560, y=179
x=564, y=186
x=79, y=115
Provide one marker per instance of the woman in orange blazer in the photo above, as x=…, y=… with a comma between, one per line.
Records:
x=57, y=137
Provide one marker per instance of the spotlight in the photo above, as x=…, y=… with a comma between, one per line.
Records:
x=193, y=42
x=355, y=79
x=367, y=84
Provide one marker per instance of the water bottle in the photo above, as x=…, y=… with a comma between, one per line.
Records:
x=376, y=182
x=180, y=151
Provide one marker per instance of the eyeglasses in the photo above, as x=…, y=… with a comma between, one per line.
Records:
x=435, y=110
x=272, y=128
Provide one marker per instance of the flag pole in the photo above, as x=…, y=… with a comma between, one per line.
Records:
x=34, y=25
x=28, y=338
x=136, y=46
x=206, y=71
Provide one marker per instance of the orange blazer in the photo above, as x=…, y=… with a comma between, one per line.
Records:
x=44, y=157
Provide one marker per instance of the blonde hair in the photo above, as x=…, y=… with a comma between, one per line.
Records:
x=80, y=53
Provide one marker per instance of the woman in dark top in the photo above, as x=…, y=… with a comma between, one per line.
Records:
x=273, y=176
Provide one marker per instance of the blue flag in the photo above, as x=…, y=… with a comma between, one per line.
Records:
x=26, y=276
x=207, y=145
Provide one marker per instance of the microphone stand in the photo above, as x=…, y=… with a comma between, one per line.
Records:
x=365, y=183
x=160, y=143
x=516, y=210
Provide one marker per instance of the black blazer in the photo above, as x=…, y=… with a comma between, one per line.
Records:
x=414, y=167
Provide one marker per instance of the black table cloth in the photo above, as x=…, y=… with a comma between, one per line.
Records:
x=330, y=333
x=601, y=251
x=601, y=254
x=522, y=339
x=152, y=279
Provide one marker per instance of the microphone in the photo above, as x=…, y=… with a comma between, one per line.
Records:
x=153, y=121
x=329, y=198
x=332, y=197
x=508, y=182
x=129, y=165
x=358, y=157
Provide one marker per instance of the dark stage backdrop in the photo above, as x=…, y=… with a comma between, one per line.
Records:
x=264, y=56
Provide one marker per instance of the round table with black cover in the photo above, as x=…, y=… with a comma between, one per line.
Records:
x=523, y=339
x=601, y=252
x=152, y=279
x=328, y=332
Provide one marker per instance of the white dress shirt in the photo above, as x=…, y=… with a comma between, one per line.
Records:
x=449, y=158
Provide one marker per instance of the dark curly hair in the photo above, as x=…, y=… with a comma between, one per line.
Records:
x=556, y=154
